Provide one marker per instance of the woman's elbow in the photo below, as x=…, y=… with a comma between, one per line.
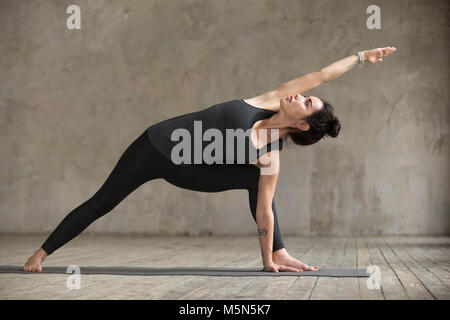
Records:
x=265, y=211
x=323, y=77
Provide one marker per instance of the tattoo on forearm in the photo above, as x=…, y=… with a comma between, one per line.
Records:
x=262, y=232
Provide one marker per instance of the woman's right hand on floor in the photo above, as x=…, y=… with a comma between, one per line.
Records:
x=273, y=267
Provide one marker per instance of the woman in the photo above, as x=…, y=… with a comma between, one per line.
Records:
x=283, y=111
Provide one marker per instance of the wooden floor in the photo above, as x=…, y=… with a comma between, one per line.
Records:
x=411, y=268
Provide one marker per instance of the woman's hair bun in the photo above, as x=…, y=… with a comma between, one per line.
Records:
x=334, y=126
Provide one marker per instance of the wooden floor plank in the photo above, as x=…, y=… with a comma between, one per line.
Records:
x=234, y=288
x=413, y=286
x=187, y=284
x=164, y=252
x=348, y=288
x=216, y=284
x=326, y=287
x=316, y=255
x=437, y=251
x=429, y=264
x=433, y=284
x=265, y=287
x=391, y=286
x=195, y=289
x=363, y=262
x=422, y=258
x=282, y=289
x=411, y=267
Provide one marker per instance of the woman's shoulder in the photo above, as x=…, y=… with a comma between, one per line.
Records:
x=269, y=101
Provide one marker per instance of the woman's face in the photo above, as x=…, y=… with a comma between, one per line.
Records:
x=299, y=107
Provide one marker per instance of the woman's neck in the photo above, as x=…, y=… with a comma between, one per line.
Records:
x=277, y=121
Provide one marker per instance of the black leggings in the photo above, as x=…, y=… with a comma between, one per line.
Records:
x=140, y=163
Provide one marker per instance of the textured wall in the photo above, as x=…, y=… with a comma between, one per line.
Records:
x=71, y=101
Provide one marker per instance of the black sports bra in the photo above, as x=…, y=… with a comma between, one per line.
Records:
x=234, y=114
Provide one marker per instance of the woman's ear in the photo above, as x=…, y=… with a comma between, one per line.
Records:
x=302, y=125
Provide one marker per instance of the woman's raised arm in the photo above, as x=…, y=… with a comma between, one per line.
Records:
x=330, y=72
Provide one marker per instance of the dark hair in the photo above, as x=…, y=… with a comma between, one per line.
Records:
x=321, y=123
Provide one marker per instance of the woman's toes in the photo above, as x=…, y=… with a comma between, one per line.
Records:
x=304, y=267
x=309, y=268
x=32, y=269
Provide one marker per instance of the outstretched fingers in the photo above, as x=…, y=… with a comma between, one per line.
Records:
x=384, y=52
x=388, y=50
x=376, y=55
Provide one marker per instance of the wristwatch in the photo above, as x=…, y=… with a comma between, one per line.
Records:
x=361, y=58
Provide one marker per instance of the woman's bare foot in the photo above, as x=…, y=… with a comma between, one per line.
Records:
x=34, y=263
x=282, y=257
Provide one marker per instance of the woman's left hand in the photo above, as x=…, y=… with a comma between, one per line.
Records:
x=376, y=55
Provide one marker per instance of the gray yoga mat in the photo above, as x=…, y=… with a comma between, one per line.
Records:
x=201, y=271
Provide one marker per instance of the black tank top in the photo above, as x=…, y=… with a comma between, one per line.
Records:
x=233, y=114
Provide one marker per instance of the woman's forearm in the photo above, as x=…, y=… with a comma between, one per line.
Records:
x=338, y=68
x=265, y=234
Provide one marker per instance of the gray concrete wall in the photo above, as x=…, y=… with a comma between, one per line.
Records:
x=71, y=101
